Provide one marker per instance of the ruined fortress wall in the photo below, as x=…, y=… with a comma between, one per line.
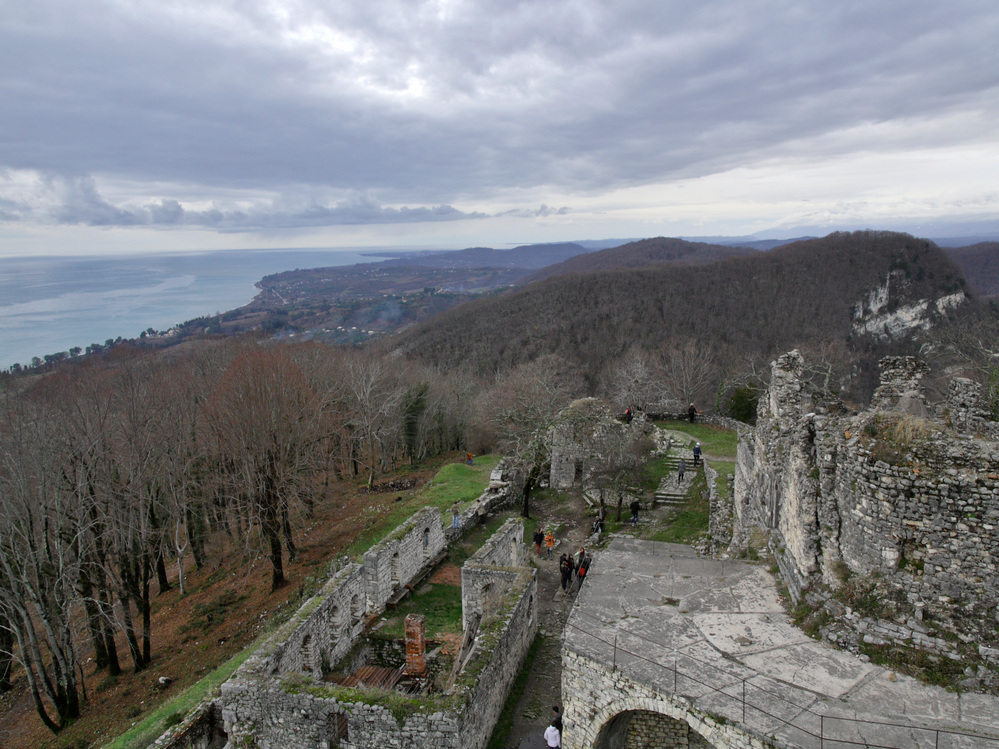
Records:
x=276, y=700
x=326, y=627
x=489, y=577
x=920, y=510
x=504, y=644
x=402, y=556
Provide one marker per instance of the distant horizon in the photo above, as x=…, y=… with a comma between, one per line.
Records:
x=986, y=234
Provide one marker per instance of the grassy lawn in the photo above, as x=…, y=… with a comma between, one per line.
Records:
x=690, y=522
x=458, y=482
x=439, y=604
x=716, y=441
x=455, y=482
x=656, y=471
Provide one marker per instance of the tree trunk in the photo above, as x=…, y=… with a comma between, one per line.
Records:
x=286, y=529
x=133, y=642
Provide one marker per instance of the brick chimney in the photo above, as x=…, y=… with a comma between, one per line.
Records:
x=416, y=645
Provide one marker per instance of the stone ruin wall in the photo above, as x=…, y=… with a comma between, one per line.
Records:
x=823, y=485
x=491, y=574
x=502, y=591
x=400, y=558
x=605, y=707
x=268, y=700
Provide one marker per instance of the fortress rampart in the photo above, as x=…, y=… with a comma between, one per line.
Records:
x=902, y=493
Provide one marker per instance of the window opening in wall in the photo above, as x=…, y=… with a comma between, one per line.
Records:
x=307, y=654
x=355, y=609
x=395, y=569
x=336, y=620
x=336, y=730
x=577, y=473
x=426, y=541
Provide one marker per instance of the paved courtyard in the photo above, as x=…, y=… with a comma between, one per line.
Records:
x=715, y=632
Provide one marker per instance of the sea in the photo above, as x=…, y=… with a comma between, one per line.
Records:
x=52, y=304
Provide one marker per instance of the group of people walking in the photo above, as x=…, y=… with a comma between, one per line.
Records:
x=576, y=566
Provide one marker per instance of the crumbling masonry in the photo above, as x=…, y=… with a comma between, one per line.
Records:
x=904, y=493
x=278, y=699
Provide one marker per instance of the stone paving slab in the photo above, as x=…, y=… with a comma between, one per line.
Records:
x=647, y=606
x=742, y=635
x=813, y=665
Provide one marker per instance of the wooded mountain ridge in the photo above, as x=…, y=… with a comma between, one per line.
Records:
x=979, y=263
x=802, y=294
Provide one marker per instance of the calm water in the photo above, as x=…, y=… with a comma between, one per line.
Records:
x=51, y=304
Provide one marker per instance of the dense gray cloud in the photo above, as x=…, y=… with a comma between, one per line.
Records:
x=77, y=201
x=449, y=102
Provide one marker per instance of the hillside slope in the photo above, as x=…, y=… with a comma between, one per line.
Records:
x=644, y=253
x=979, y=264
x=805, y=292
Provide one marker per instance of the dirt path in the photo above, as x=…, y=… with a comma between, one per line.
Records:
x=544, y=685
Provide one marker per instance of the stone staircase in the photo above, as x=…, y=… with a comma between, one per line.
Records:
x=669, y=493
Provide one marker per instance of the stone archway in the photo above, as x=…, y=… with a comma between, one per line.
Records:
x=645, y=729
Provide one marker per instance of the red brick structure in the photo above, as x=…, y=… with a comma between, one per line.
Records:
x=416, y=645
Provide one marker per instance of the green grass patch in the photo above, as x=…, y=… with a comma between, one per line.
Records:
x=439, y=604
x=475, y=538
x=458, y=482
x=455, y=482
x=150, y=728
x=655, y=471
x=716, y=441
x=552, y=500
x=690, y=522
x=501, y=731
x=724, y=468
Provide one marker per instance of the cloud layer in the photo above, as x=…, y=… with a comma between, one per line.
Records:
x=231, y=114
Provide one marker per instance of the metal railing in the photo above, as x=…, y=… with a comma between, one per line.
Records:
x=829, y=731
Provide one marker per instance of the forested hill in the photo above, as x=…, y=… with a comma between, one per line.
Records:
x=644, y=253
x=980, y=265
x=528, y=256
x=805, y=292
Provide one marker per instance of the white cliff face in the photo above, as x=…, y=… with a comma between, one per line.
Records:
x=870, y=316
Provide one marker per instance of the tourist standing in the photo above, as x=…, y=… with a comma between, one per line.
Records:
x=553, y=736
x=455, y=515
x=577, y=559
x=680, y=469
x=692, y=412
x=550, y=543
x=697, y=454
x=557, y=718
x=539, y=538
x=584, y=567
x=565, y=570
x=635, y=507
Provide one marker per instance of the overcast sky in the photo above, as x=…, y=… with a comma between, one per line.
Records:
x=163, y=124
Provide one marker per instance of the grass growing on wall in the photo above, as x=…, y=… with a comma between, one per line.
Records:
x=724, y=468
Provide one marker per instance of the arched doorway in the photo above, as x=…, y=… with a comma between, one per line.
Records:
x=644, y=729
